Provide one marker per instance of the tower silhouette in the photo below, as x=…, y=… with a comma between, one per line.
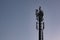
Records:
x=39, y=26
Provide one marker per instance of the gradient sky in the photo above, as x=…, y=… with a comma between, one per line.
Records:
x=17, y=19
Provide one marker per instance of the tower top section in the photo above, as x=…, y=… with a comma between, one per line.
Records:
x=39, y=14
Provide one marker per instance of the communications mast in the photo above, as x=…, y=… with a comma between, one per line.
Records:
x=40, y=23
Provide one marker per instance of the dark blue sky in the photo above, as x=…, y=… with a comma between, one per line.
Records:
x=17, y=19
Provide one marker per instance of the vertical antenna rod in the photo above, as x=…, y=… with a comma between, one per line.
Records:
x=39, y=17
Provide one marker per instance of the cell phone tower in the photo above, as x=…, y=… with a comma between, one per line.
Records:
x=40, y=23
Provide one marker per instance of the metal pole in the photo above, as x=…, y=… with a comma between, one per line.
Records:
x=40, y=31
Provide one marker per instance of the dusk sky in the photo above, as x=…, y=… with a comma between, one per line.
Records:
x=18, y=19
